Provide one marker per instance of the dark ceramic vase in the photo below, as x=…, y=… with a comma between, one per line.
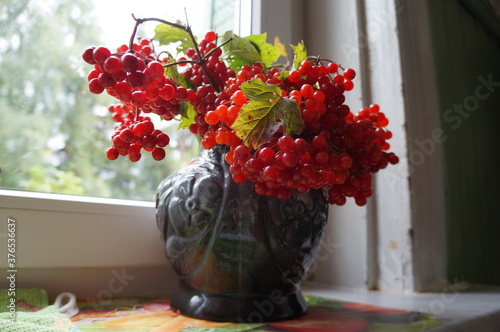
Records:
x=239, y=256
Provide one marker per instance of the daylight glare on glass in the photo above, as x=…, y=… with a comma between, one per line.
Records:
x=54, y=131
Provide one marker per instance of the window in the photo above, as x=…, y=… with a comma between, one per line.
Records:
x=57, y=130
x=52, y=142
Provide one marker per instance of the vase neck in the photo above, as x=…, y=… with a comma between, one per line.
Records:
x=216, y=154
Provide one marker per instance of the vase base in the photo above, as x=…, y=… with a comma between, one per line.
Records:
x=275, y=306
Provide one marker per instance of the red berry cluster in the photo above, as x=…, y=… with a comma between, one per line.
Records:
x=336, y=150
x=134, y=133
x=137, y=79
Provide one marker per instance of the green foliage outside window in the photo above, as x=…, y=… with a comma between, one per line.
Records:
x=53, y=132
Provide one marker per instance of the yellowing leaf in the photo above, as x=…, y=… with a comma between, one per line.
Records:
x=265, y=113
x=257, y=89
x=292, y=118
x=280, y=47
x=300, y=54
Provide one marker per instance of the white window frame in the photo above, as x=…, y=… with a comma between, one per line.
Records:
x=391, y=244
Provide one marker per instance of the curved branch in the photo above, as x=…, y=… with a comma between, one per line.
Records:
x=202, y=59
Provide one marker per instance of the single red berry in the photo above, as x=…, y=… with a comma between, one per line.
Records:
x=349, y=85
x=148, y=141
x=290, y=159
x=345, y=160
x=100, y=54
x=88, y=56
x=106, y=79
x=332, y=68
x=210, y=36
x=242, y=152
x=119, y=143
x=136, y=79
x=266, y=155
x=181, y=93
x=126, y=135
x=208, y=142
x=374, y=108
x=321, y=157
x=193, y=128
x=162, y=140
x=254, y=165
x=286, y=143
x=349, y=74
x=229, y=157
x=271, y=173
x=95, y=86
x=239, y=98
x=190, y=52
x=211, y=118
x=112, y=153
x=221, y=111
x=134, y=157
x=94, y=73
x=146, y=51
x=138, y=98
x=134, y=149
x=167, y=92
x=301, y=146
x=130, y=62
x=294, y=76
x=112, y=65
x=154, y=70
x=158, y=154
x=123, y=91
x=319, y=142
x=143, y=128
x=319, y=96
x=306, y=65
x=307, y=91
x=307, y=170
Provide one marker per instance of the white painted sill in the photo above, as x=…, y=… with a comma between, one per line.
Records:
x=469, y=308
x=65, y=231
x=97, y=247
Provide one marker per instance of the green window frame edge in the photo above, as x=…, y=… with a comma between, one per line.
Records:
x=487, y=12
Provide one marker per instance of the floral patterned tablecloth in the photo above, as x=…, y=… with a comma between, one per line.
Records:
x=324, y=315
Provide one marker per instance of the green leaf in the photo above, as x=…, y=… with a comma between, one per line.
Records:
x=268, y=52
x=284, y=74
x=166, y=34
x=187, y=113
x=265, y=113
x=173, y=73
x=300, y=54
x=239, y=51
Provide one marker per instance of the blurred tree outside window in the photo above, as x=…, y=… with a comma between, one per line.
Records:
x=53, y=131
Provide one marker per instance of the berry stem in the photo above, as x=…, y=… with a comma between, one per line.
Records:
x=202, y=59
x=214, y=49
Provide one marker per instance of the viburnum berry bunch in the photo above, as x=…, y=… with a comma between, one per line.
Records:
x=286, y=127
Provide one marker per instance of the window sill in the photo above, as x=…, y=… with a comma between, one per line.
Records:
x=469, y=308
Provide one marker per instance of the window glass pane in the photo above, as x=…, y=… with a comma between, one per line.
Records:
x=53, y=131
